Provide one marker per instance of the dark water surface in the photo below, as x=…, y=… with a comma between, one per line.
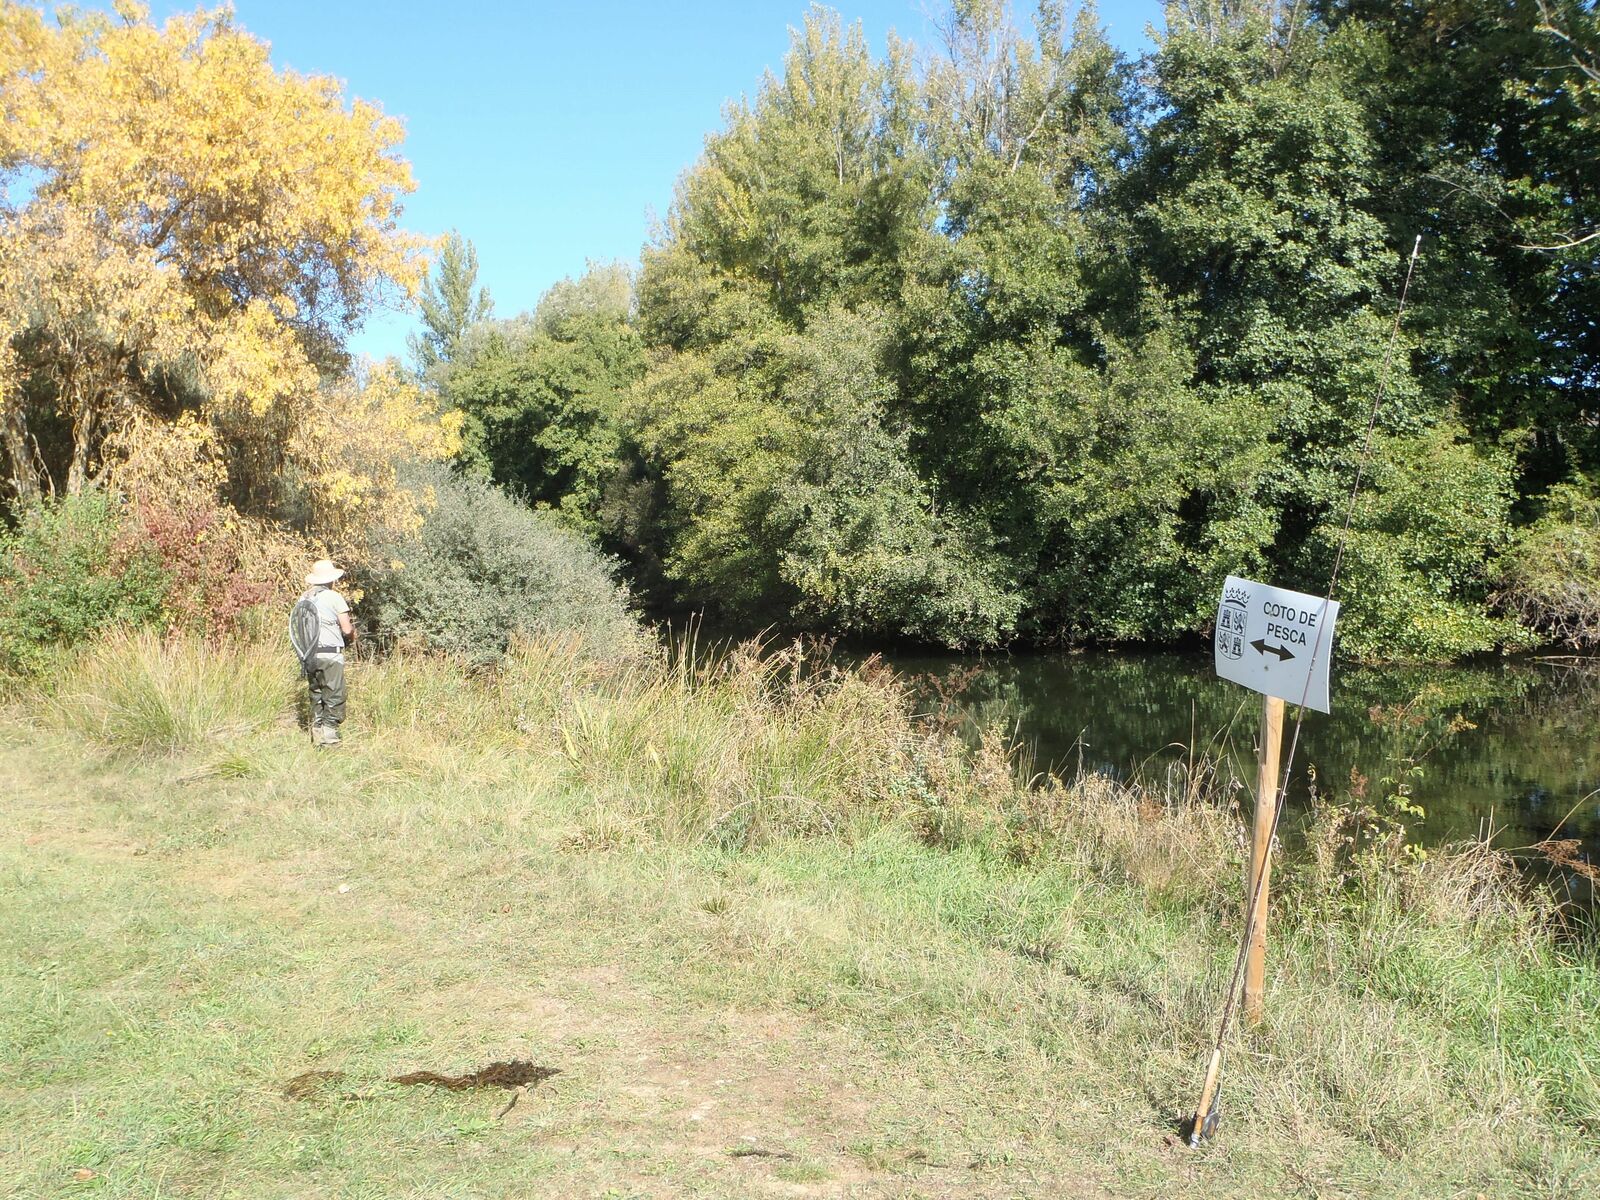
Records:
x=1530, y=764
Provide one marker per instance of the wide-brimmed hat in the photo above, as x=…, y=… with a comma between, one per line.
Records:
x=323, y=571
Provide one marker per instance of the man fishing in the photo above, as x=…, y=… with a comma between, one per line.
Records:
x=319, y=629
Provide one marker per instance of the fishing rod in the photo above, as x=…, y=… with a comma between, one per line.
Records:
x=1209, y=1110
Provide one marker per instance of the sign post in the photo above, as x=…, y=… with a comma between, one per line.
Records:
x=1278, y=643
x=1259, y=882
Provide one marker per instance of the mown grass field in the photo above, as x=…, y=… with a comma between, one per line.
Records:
x=777, y=938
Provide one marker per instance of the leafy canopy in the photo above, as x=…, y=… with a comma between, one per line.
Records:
x=184, y=228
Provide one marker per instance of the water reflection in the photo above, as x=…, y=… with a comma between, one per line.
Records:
x=1508, y=743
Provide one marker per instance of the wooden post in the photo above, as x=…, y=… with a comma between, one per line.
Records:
x=1261, y=853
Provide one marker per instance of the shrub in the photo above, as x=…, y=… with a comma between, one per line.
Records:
x=71, y=568
x=1415, y=581
x=1550, y=579
x=222, y=565
x=484, y=569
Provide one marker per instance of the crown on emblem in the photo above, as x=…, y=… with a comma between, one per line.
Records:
x=1236, y=595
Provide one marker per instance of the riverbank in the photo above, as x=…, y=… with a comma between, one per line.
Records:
x=1504, y=745
x=778, y=937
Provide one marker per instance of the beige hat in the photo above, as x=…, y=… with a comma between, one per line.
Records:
x=323, y=571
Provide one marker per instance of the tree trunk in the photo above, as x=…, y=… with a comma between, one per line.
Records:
x=85, y=424
x=78, y=470
x=22, y=469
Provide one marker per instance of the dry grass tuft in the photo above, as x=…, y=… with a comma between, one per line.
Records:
x=140, y=692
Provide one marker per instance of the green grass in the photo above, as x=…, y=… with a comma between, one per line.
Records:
x=896, y=974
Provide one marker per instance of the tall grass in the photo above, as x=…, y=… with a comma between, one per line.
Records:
x=733, y=748
x=138, y=691
x=1407, y=999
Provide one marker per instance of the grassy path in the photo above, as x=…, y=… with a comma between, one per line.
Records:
x=161, y=983
x=183, y=935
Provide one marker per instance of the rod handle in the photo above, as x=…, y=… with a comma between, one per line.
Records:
x=1203, y=1123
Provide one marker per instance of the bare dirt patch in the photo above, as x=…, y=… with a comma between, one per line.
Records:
x=513, y=1074
x=310, y=1085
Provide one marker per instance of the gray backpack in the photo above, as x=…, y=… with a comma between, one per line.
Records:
x=305, y=626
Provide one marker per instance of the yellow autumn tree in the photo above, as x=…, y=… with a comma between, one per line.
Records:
x=185, y=229
x=350, y=453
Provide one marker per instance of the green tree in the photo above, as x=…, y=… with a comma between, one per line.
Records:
x=1051, y=394
x=450, y=303
x=1032, y=340
x=1490, y=148
x=775, y=464
x=1550, y=577
x=606, y=290
x=791, y=493
x=1424, y=536
x=811, y=195
x=541, y=394
x=1254, y=210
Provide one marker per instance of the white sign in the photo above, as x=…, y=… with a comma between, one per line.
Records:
x=1276, y=642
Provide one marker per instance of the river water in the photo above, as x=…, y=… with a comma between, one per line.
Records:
x=1510, y=744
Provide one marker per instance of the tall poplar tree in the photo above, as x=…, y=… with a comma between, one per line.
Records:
x=450, y=303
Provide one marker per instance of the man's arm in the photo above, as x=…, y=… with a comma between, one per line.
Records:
x=347, y=627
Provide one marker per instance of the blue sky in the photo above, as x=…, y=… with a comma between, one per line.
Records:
x=550, y=133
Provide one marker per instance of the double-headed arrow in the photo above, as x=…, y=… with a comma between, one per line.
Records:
x=1283, y=652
